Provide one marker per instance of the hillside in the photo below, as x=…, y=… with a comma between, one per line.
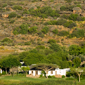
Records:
x=26, y=24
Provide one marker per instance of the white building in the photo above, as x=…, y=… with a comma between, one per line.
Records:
x=0, y=70
x=57, y=72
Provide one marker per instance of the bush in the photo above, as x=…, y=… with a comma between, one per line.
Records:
x=55, y=31
x=33, y=29
x=4, y=73
x=45, y=29
x=70, y=24
x=0, y=74
x=17, y=7
x=63, y=76
x=63, y=33
x=27, y=43
x=76, y=17
x=12, y=21
x=51, y=77
x=51, y=41
x=4, y=5
x=44, y=12
x=61, y=22
x=22, y=29
x=67, y=8
x=12, y=15
x=7, y=40
x=77, y=33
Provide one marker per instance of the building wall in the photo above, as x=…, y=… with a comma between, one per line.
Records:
x=1, y=71
x=51, y=73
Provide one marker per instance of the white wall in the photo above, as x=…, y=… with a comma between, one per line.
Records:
x=1, y=71
x=56, y=71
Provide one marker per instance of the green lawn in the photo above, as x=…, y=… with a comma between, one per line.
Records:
x=17, y=80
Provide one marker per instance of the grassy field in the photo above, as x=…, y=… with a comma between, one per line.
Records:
x=22, y=80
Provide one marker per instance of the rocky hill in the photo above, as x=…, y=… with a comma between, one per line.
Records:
x=29, y=23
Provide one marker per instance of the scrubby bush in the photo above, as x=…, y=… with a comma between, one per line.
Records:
x=61, y=22
x=4, y=5
x=76, y=17
x=27, y=43
x=22, y=29
x=63, y=33
x=51, y=41
x=63, y=76
x=70, y=24
x=7, y=40
x=77, y=33
x=53, y=22
x=12, y=15
x=33, y=29
x=44, y=12
x=17, y=7
x=67, y=8
x=51, y=77
x=45, y=29
x=12, y=21
x=55, y=31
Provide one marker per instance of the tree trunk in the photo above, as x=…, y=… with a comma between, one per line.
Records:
x=79, y=77
x=46, y=74
x=6, y=70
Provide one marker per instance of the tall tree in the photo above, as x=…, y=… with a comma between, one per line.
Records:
x=10, y=62
x=45, y=67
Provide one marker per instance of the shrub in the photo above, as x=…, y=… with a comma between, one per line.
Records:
x=27, y=43
x=45, y=29
x=12, y=21
x=55, y=31
x=61, y=22
x=12, y=15
x=44, y=12
x=65, y=16
x=33, y=29
x=77, y=33
x=63, y=76
x=4, y=5
x=70, y=24
x=40, y=34
x=51, y=41
x=25, y=12
x=22, y=29
x=76, y=17
x=7, y=40
x=67, y=8
x=0, y=74
x=3, y=73
x=40, y=47
x=17, y=7
x=51, y=76
x=51, y=22
x=63, y=33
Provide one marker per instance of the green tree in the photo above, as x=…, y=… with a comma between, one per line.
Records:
x=75, y=50
x=26, y=69
x=77, y=61
x=45, y=67
x=78, y=71
x=55, y=47
x=10, y=62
